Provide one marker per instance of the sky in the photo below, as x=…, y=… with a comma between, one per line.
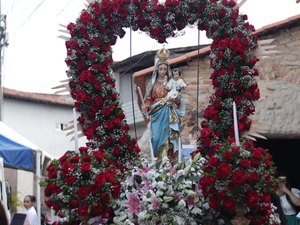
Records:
x=34, y=59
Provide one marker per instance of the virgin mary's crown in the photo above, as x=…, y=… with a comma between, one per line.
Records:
x=162, y=56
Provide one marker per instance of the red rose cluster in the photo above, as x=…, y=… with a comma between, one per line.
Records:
x=82, y=184
x=240, y=176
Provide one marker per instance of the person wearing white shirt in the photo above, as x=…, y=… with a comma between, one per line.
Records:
x=289, y=198
x=31, y=215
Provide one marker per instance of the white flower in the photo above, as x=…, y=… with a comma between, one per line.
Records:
x=181, y=204
x=142, y=215
x=161, y=185
x=196, y=210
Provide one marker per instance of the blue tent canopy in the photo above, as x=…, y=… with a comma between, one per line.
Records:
x=16, y=155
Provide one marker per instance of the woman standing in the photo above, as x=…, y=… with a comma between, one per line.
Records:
x=164, y=111
x=31, y=215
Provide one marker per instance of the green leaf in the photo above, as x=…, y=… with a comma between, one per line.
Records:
x=196, y=157
x=167, y=199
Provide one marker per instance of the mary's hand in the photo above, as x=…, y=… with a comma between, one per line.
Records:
x=145, y=110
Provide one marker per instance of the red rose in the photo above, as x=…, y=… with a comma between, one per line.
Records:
x=86, y=167
x=223, y=44
x=49, y=189
x=206, y=142
x=248, y=145
x=229, y=204
x=258, y=152
x=207, y=180
x=223, y=170
x=49, y=203
x=105, y=47
x=253, y=177
x=245, y=163
x=123, y=12
x=217, y=104
x=99, y=155
x=210, y=112
x=213, y=161
x=251, y=198
x=85, y=17
x=95, y=42
x=75, y=159
x=73, y=203
x=55, y=189
x=83, y=192
x=100, y=179
x=83, y=210
x=111, y=173
x=63, y=158
x=84, y=75
x=123, y=140
x=98, y=86
x=92, y=56
x=108, y=125
x=98, y=100
x=69, y=180
x=56, y=206
x=86, y=158
x=121, y=115
x=144, y=5
x=52, y=174
x=117, y=122
x=214, y=202
x=116, y=189
x=106, y=111
x=228, y=156
x=234, y=44
x=238, y=177
x=238, y=100
x=116, y=150
x=126, y=128
x=83, y=149
x=205, y=132
x=67, y=167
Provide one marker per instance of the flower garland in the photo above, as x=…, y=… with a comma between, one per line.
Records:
x=89, y=58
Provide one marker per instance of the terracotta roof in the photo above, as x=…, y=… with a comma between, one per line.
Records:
x=182, y=58
x=204, y=51
x=37, y=97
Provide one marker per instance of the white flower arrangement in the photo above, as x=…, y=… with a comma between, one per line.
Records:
x=163, y=193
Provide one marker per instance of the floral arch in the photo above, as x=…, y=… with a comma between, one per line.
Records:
x=232, y=56
x=89, y=59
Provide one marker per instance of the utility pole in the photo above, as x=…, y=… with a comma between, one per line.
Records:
x=3, y=43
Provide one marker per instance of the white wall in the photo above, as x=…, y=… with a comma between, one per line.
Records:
x=38, y=123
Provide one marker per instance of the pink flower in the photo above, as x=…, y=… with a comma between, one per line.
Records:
x=133, y=203
x=155, y=203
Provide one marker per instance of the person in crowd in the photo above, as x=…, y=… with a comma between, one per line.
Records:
x=275, y=199
x=31, y=215
x=3, y=217
x=289, y=199
x=164, y=112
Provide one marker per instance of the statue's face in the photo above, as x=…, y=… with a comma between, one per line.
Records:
x=176, y=75
x=162, y=70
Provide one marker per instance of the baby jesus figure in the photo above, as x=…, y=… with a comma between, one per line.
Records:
x=176, y=84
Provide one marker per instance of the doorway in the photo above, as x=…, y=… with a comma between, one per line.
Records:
x=286, y=155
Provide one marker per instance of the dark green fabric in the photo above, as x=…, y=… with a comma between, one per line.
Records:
x=292, y=220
